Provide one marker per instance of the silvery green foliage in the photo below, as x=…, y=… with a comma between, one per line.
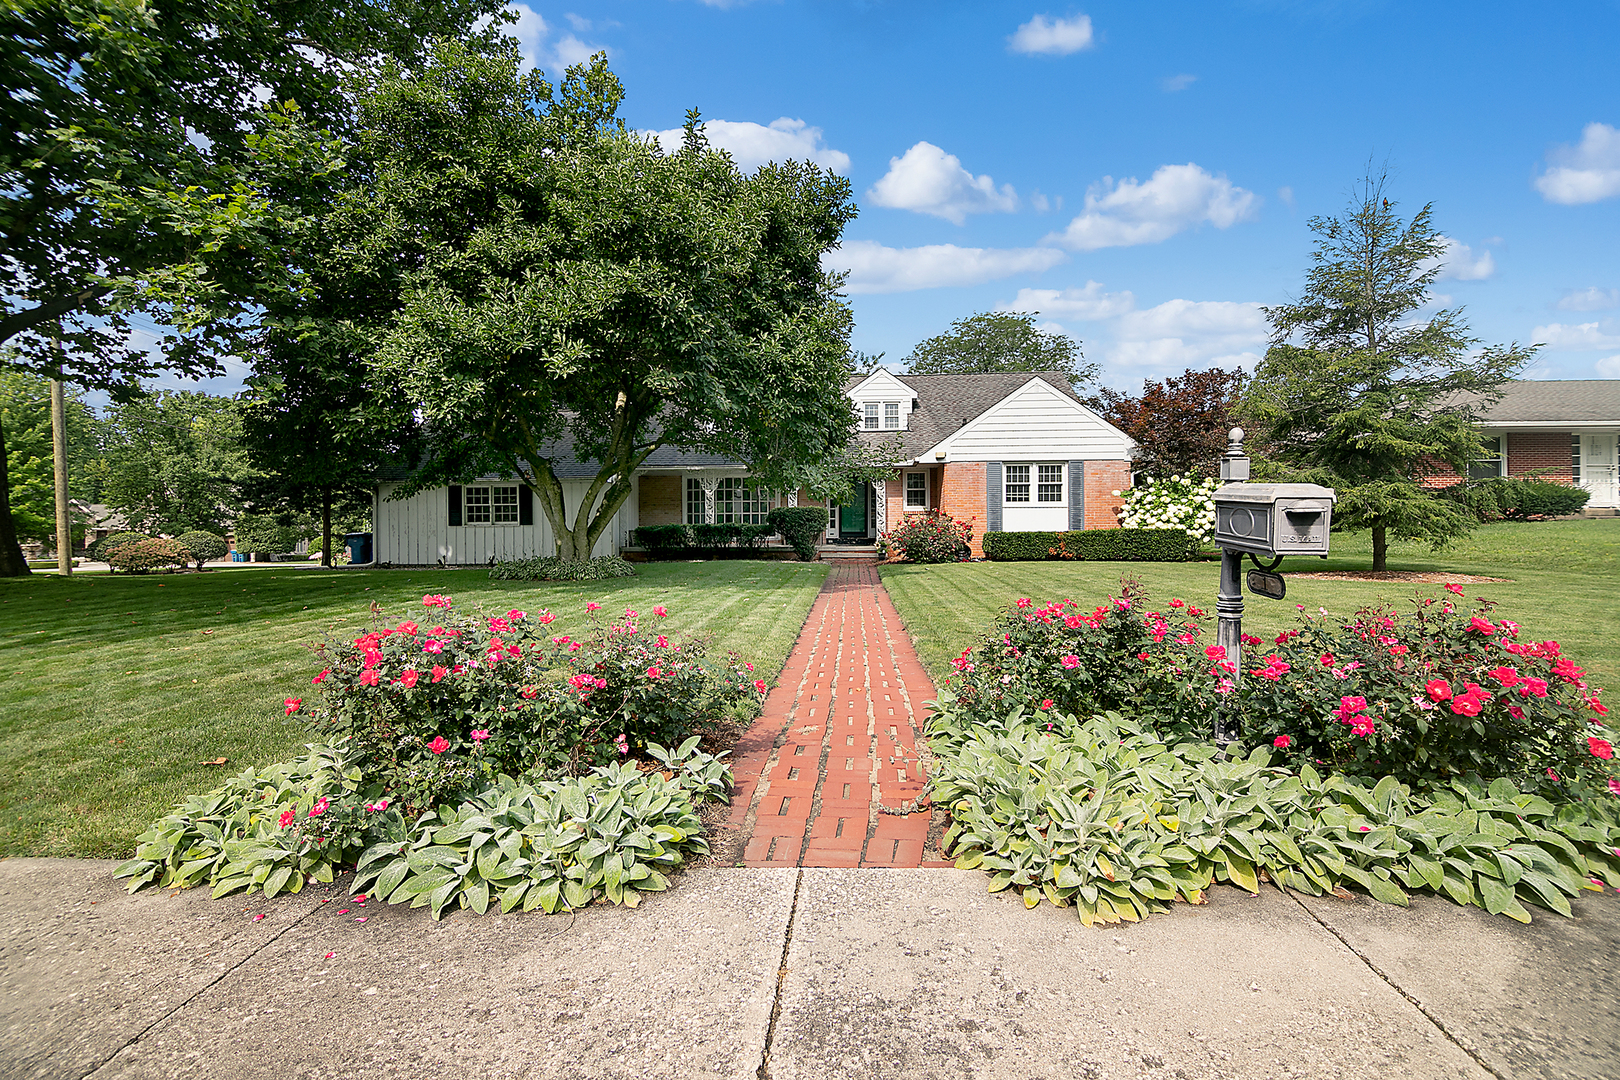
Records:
x=1181, y=502
x=1101, y=815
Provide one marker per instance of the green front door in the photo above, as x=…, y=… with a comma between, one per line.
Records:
x=852, y=518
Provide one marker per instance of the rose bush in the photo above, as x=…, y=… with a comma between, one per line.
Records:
x=931, y=537
x=438, y=707
x=1427, y=695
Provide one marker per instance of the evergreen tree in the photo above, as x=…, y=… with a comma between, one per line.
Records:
x=1365, y=388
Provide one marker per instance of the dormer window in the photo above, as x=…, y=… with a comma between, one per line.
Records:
x=871, y=416
x=891, y=416
x=880, y=416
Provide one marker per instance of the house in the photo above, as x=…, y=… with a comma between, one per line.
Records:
x=1008, y=452
x=1557, y=429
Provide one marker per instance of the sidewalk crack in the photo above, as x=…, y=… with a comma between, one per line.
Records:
x=1439, y=1024
x=764, y=1072
x=147, y=1030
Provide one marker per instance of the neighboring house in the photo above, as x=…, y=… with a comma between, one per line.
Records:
x=1564, y=430
x=1008, y=452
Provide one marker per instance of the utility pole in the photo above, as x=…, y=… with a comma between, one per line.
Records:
x=64, y=524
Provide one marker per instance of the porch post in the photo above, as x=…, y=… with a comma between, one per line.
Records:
x=710, y=483
x=881, y=489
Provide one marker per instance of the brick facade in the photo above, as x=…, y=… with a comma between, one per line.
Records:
x=662, y=501
x=961, y=496
x=1103, y=478
x=1547, y=455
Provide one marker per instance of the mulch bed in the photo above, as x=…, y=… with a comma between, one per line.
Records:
x=1413, y=576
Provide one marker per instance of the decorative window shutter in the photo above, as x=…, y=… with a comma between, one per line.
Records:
x=1077, y=495
x=455, y=504
x=993, y=474
x=525, y=505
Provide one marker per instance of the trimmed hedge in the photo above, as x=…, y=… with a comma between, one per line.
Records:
x=701, y=540
x=1521, y=500
x=554, y=569
x=801, y=526
x=202, y=545
x=1091, y=545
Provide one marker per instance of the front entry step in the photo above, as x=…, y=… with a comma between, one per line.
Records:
x=845, y=554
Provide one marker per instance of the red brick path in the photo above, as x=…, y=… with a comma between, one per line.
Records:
x=838, y=737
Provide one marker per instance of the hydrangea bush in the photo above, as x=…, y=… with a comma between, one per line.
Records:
x=1181, y=502
x=1427, y=695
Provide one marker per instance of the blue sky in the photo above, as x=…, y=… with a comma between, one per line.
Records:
x=1142, y=174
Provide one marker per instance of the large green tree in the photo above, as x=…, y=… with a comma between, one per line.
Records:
x=25, y=413
x=993, y=341
x=570, y=290
x=133, y=136
x=1368, y=383
x=173, y=461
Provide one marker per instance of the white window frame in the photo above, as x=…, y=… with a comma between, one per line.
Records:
x=1041, y=483
x=869, y=412
x=1499, y=459
x=490, y=504
x=891, y=416
x=920, y=490
x=738, y=500
x=696, y=502
x=1015, y=484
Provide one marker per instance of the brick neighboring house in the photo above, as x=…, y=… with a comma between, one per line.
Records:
x=1558, y=429
x=1008, y=452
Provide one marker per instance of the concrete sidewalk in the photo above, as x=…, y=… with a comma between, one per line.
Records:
x=793, y=973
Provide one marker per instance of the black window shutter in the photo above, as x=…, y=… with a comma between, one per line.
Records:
x=1077, y=494
x=992, y=496
x=455, y=504
x=525, y=505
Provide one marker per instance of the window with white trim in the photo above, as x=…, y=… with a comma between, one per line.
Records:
x=1489, y=463
x=1049, y=483
x=916, y=491
x=491, y=505
x=1016, y=489
x=740, y=501
x=696, y=503
x=891, y=416
x=870, y=413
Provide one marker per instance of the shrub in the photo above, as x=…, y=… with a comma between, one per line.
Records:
x=263, y=535
x=102, y=549
x=1181, y=502
x=435, y=712
x=801, y=526
x=146, y=555
x=1097, y=545
x=554, y=569
x=931, y=537
x=1403, y=694
x=1519, y=499
x=203, y=546
x=662, y=538
x=1103, y=815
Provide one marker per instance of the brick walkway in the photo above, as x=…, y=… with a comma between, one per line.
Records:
x=837, y=739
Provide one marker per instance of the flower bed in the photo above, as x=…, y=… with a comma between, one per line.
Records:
x=425, y=725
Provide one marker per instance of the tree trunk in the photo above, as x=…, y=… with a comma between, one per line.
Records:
x=12, y=563
x=64, y=519
x=1380, y=548
x=326, y=527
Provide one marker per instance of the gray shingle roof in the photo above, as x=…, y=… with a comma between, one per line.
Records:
x=946, y=403
x=1555, y=401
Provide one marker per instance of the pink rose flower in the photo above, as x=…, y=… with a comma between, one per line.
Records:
x=408, y=678
x=317, y=680
x=479, y=735
x=439, y=744
x=1600, y=747
x=292, y=704
x=1070, y=662
x=319, y=808
x=288, y=817
x=439, y=672
x=369, y=677
x=759, y=684
x=1282, y=742
x=1439, y=690
x=661, y=611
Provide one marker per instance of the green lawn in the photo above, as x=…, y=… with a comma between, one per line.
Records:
x=118, y=687
x=1564, y=584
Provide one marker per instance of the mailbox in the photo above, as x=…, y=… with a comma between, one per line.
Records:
x=1274, y=519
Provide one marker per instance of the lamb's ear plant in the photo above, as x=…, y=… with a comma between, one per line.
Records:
x=1101, y=815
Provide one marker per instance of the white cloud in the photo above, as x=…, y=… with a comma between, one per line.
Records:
x=874, y=268
x=1458, y=262
x=578, y=22
x=1609, y=367
x=1190, y=333
x=1592, y=299
x=1176, y=83
x=1585, y=173
x=1286, y=194
x=1579, y=336
x=1089, y=302
x=531, y=33
x=1176, y=197
x=1057, y=37
x=930, y=181
x=752, y=145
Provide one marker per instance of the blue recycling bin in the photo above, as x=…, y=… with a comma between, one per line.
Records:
x=359, y=545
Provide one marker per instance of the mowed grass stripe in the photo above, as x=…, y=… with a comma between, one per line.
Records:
x=106, y=716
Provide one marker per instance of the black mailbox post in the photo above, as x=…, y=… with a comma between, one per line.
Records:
x=1261, y=521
